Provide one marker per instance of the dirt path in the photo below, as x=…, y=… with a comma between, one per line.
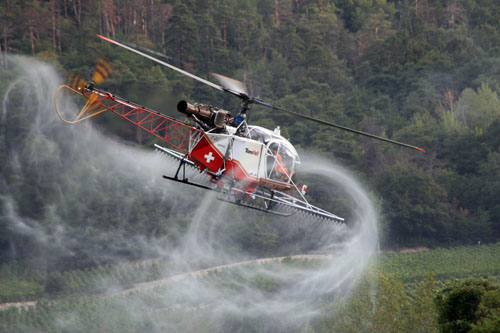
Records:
x=5, y=306
x=202, y=272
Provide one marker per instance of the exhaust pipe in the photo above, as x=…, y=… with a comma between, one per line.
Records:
x=201, y=111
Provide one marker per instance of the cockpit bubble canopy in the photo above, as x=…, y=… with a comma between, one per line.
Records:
x=271, y=140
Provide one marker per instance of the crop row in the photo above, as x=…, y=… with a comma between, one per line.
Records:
x=443, y=264
x=17, y=285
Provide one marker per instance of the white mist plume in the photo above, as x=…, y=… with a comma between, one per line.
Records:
x=80, y=158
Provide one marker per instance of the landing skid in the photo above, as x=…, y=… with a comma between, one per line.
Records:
x=185, y=181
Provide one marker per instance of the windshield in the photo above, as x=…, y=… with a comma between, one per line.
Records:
x=266, y=136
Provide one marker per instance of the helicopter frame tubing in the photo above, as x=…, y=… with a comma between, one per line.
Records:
x=170, y=130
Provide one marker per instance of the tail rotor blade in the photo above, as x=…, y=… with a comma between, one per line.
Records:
x=102, y=71
x=76, y=81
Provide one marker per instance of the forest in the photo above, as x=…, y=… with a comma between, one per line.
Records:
x=423, y=72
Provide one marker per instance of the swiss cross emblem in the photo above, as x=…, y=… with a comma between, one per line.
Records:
x=206, y=155
x=209, y=157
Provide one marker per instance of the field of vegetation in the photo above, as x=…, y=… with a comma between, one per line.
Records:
x=96, y=295
x=480, y=261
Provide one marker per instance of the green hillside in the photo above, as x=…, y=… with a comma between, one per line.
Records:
x=480, y=261
x=424, y=74
x=400, y=278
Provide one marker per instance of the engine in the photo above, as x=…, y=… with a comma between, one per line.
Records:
x=206, y=116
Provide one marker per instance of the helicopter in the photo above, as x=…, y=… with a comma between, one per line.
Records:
x=248, y=165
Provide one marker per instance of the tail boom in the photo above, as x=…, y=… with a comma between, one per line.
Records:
x=175, y=133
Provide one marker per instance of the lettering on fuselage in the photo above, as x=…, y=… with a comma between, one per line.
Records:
x=252, y=152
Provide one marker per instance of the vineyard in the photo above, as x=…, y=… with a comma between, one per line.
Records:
x=481, y=261
x=97, y=298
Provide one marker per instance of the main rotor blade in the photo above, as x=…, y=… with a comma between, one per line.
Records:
x=231, y=84
x=241, y=93
x=296, y=114
x=140, y=48
x=211, y=84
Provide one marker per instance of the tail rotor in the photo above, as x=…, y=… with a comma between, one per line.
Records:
x=78, y=85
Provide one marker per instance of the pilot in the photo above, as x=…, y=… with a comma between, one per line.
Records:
x=280, y=167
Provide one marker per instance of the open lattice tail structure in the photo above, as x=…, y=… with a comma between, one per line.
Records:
x=175, y=133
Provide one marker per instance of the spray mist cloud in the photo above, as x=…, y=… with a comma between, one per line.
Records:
x=104, y=199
